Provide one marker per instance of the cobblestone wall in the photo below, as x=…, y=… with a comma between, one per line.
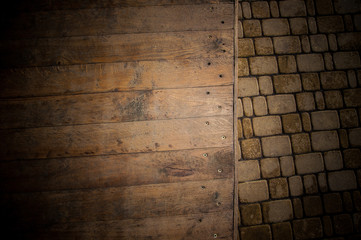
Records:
x=299, y=114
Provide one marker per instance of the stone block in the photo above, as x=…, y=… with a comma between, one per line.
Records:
x=348, y=118
x=305, y=43
x=357, y=21
x=251, y=148
x=248, y=170
x=354, y=136
x=310, y=7
x=356, y=196
x=255, y=191
x=308, y=228
x=310, y=81
x=245, y=47
x=310, y=184
x=251, y=214
x=333, y=99
x=310, y=62
x=265, y=85
x=248, y=86
x=301, y=143
x=243, y=68
x=270, y=167
x=333, y=160
x=347, y=201
x=247, y=127
x=287, y=64
x=275, y=27
x=274, y=9
x=276, y=146
x=352, y=97
x=322, y=182
x=260, y=232
x=267, y=125
x=282, y=231
x=260, y=9
x=319, y=43
x=296, y=186
x=333, y=80
x=239, y=129
x=320, y=100
x=312, y=206
x=309, y=163
x=246, y=7
x=281, y=104
x=342, y=133
x=324, y=140
x=349, y=41
x=325, y=120
x=324, y=7
x=277, y=211
x=252, y=28
x=332, y=203
x=263, y=65
x=292, y=8
x=260, y=106
x=346, y=60
x=288, y=83
x=247, y=107
x=305, y=101
x=297, y=207
x=351, y=75
x=332, y=42
x=298, y=26
x=291, y=123
x=330, y=24
x=343, y=224
x=278, y=188
x=342, y=180
x=306, y=122
x=287, y=166
x=346, y=6
x=352, y=158
x=328, y=61
x=264, y=46
x=287, y=44
x=327, y=226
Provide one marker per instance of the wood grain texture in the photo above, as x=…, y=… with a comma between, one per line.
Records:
x=113, y=138
x=92, y=78
x=116, y=107
x=107, y=21
x=116, y=48
x=116, y=170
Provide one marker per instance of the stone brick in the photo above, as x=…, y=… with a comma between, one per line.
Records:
x=333, y=99
x=252, y=28
x=322, y=182
x=332, y=202
x=319, y=43
x=324, y=140
x=251, y=214
x=312, y=206
x=298, y=26
x=296, y=186
x=306, y=122
x=343, y=224
x=347, y=201
x=327, y=226
x=310, y=62
x=333, y=80
x=342, y=133
x=352, y=97
x=310, y=81
x=260, y=232
x=287, y=64
x=356, y=196
x=274, y=9
x=263, y=65
x=330, y=24
x=253, y=191
x=312, y=25
x=349, y=41
x=346, y=60
x=354, y=136
x=251, y=148
x=307, y=228
x=270, y=167
x=248, y=170
x=333, y=160
x=348, y=118
x=297, y=207
x=310, y=184
x=324, y=7
x=291, y=123
x=287, y=45
x=351, y=75
x=239, y=109
x=287, y=166
x=342, y=180
x=245, y=47
x=357, y=21
x=268, y=125
x=239, y=129
x=328, y=61
x=265, y=85
x=260, y=9
x=277, y=211
x=309, y=163
x=282, y=231
x=264, y=46
x=287, y=83
x=275, y=27
x=305, y=101
x=276, y=146
x=346, y=6
x=292, y=8
x=332, y=42
x=247, y=127
x=243, y=69
x=325, y=120
x=278, y=188
x=246, y=7
x=247, y=107
x=301, y=143
x=359, y=77
x=240, y=29
x=320, y=100
x=352, y=158
x=260, y=106
x=305, y=43
x=248, y=86
x=310, y=7
x=280, y=104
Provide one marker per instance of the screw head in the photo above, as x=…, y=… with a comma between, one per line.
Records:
x=223, y=137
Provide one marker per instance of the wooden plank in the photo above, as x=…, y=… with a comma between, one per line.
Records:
x=113, y=138
x=107, y=21
x=116, y=170
x=187, y=227
x=116, y=107
x=135, y=202
x=116, y=48
x=61, y=80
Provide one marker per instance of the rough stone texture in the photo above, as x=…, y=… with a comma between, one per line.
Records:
x=333, y=160
x=263, y=65
x=292, y=8
x=342, y=133
x=296, y=186
x=324, y=7
x=282, y=231
x=312, y=206
x=306, y=122
x=275, y=27
x=324, y=140
x=322, y=182
x=348, y=118
x=310, y=184
x=253, y=191
x=248, y=170
x=252, y=28
x=333, y=80
x=270, y=167
x=298, y=26
x=320, y=100
x=319, y=43
x=356, y=196
x=312, y=26
x=264, y=46
x=305, y=43
x=327, y=225
x=352, y=97
x=247, y=107
x=287, y=45
x=330, y=24
x=342, y=180
x=343, y=224
x=325, y=120
x=239, y=129
x=301, y=143
x=309, y=163
x=247, y=86
x=310, y=7
x=352, y=81
x=352, y=158
x=251, y=214
x=246, y=7
x=260, y=106
x=287, y=64
x=276, y=146
x=307, y=228
x=278, y=188
x=354, y=136
x=333, y=99
x=281, y=104
x=347, y=201
x=291, y=123
x=277, y=211
x=332, y=42
x=265, y=85
x=297, y=207
x=287, y=166
x=305, y=101
x=328, y=61
x=349, y=41
x=288, y=83
x=310, y=62
x=251, y=148
x=247, y=127
x=261, y=232
x=268, y=125
x=245, y=47
x=243, y=68
x=274, y=9
x=260, y=9
x=346, y=60
x=310, y=81
x=332, y=203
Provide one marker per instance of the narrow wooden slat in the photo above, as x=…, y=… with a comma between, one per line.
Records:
x=116, y=170
x=116, y=107
x=135, y=202
x=107, y=21
x=128, y=137
x=116, y=48
x=43, y=81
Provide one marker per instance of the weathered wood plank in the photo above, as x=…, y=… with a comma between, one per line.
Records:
x=187, y=227
x=116, y=107
x=113, y=138
x=135, y=202
x=107, y=21
x=116, y=48
x=61, y=80
x=116, y=170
